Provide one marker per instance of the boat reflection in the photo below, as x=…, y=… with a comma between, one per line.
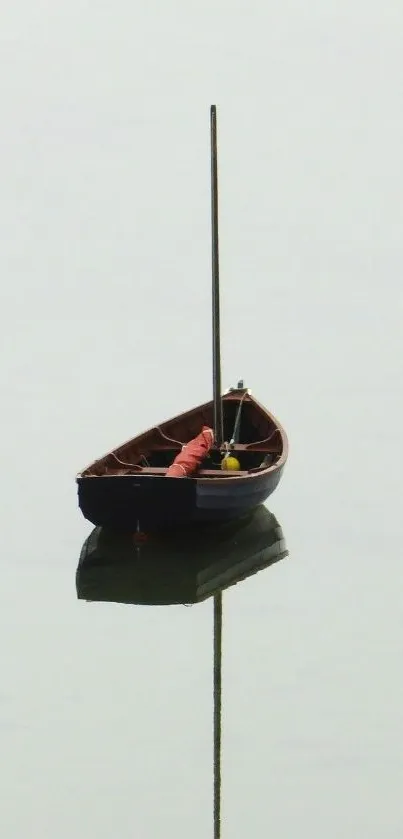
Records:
x=177, y=567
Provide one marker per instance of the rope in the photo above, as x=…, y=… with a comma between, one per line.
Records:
x=122, y=462
x=217, y=712
x=227, y=447
x=266, y=439
x=169, y=439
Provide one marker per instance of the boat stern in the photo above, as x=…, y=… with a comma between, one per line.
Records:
x=130, y=501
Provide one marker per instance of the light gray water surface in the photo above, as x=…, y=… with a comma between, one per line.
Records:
x=106, y=710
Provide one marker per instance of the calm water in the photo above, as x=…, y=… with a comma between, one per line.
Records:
x=105, y=709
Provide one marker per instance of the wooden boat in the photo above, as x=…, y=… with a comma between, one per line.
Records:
x=185, y=566
x=133, y=487
x=128, y=488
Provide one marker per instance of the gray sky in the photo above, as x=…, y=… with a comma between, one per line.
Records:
x=105, y=712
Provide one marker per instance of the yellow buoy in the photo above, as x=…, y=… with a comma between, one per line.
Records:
x=230, y=463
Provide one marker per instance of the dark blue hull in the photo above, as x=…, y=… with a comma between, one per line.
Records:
x=148, y=501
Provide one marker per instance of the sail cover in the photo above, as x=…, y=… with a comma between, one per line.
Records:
x=192, y=454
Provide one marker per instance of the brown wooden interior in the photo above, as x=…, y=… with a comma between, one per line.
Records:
x=152, y=452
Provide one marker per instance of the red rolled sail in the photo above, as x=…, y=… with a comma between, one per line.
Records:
x=192, y=454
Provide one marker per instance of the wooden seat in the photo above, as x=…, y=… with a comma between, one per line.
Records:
x=202, y=473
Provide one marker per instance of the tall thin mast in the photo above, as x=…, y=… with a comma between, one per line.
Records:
x=218, y=414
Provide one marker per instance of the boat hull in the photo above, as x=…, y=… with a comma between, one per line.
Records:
x=149, y=502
